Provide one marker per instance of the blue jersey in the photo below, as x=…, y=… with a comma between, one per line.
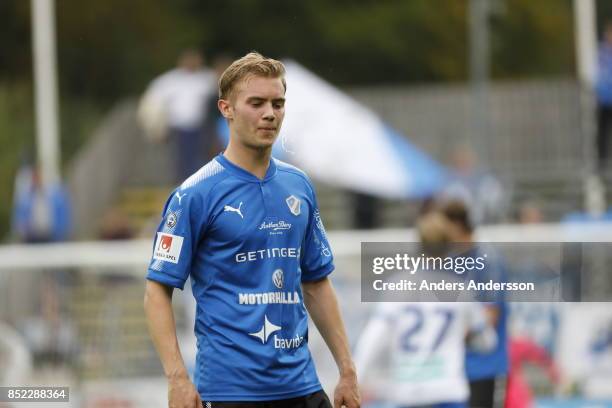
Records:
x=247, y=244
x=480, y=366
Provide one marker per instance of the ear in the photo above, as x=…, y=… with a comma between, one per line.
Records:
x=225, y=108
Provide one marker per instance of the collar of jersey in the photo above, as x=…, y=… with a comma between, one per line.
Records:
x=246, y=175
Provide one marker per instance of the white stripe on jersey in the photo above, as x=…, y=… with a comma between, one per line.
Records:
x=280, y=163
x=208, y=170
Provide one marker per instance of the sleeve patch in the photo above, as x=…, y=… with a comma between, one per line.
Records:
x=168, y=247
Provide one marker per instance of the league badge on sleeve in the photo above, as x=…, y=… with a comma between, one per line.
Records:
x=294, y=204
x=171, y=220
x=168, y=247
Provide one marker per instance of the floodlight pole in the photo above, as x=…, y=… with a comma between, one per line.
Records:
x=479, y=11
x=585, y=33
x=586, y=40
x=45, y=80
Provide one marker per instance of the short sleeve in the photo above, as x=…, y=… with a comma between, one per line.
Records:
x=316, y=256
x=183, y=221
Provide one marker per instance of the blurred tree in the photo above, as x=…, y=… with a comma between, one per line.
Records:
x=533, y=39
x=15, y=51
x=348, y=42
x=110, y=48
x=393, y=41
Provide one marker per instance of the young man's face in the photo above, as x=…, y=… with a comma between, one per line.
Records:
x=256, y=110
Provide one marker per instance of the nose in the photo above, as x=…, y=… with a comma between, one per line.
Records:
x=268, y=113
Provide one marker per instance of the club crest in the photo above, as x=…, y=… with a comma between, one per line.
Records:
x=294, y=204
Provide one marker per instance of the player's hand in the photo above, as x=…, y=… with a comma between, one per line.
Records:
x=182, y=393
x=347, y=392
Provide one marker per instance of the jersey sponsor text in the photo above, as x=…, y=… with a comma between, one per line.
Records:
x=267, y=253
x=275, y=228
x=294, y=342
x=285, y=298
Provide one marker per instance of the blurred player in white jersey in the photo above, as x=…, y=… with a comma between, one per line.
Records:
x=425, y=344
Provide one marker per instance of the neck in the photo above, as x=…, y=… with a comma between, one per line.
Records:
x=255, y=161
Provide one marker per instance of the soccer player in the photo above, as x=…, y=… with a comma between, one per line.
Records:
x=486, y=371
x=247, y=231
x=425, y=341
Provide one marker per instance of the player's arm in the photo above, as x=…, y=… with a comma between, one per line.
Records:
x=481, y=335
x=322, y=304
x=160, y=320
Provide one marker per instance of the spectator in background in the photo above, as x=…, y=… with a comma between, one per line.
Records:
x=486, y=371
x=41, y=213
x=174, y=104
x=530, y=212
x=477, y=188
x=603, y=91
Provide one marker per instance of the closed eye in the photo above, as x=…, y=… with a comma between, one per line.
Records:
x=254, y=101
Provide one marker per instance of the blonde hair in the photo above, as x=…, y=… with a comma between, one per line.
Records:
x=251, y=64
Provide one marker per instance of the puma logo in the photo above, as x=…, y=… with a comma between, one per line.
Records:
x=236, y=210
x=179, y=196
